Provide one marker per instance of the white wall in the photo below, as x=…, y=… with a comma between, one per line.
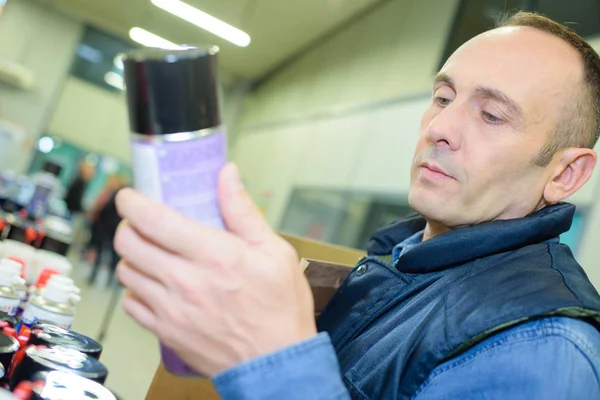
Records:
x=391, y=52
x=311, y=123
x=92, y=118
x=589, y=257
x=44, y=41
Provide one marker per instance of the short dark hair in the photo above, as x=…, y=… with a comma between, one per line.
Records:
x=579, y=126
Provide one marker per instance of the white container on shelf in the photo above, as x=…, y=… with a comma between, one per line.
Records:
x=19, y=284
x=47, y=259
x=21, y=251
x=55, y=305
x=55, y=280
x=9, y=298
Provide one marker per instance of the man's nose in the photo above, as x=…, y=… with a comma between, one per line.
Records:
x=445, y=129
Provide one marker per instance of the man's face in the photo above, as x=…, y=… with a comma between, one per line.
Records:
x=496, y=102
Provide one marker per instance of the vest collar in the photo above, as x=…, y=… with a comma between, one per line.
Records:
x=470, y=242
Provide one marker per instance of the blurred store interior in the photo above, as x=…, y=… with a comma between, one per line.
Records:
x=322, y=109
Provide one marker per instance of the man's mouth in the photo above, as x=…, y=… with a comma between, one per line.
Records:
x=434, y=172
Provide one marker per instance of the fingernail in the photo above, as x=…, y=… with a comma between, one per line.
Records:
x=236, y=181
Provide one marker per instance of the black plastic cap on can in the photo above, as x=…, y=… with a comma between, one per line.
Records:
x=56, y=245
x=16, y=232
x=172, y=91
x=52, y=336
x=58, y=385
x=39, y=359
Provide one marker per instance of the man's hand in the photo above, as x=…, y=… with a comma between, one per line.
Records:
x=216, y=298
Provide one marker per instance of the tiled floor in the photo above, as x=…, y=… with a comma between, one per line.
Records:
x=130, y=353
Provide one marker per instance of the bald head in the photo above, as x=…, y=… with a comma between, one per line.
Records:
x=579, y=120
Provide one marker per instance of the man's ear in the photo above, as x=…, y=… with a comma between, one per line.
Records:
x=572, y=170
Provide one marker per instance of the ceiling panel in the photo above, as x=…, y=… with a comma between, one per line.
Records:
x=279, y=28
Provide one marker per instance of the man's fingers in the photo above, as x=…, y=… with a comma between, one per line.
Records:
x=143, y=254
x=140, y=312
x=240, y=214
x=171, y=230
x=143, y=287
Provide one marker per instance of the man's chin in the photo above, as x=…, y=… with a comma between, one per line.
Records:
x=430, y=205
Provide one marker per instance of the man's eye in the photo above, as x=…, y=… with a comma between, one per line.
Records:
x=442, y=101
x=491, y=118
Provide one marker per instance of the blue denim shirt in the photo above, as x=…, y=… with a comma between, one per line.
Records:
x=552, y=358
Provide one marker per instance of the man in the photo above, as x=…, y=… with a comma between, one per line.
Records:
x=105, y=220
x=74, y=202
x=75, y=193
x=473, y=299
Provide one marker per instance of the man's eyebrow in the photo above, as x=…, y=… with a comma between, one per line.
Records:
x=501, y=97
x=443, y=78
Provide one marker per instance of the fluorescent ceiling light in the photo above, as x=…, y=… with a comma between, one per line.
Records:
x=149, y=39
x=204, y=21
x=115, y=80
x=45, y=144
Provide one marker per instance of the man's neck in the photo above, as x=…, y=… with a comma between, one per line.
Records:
x=434, y=228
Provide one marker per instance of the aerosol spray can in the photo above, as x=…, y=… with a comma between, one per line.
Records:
x=61, y=385
x=53, y=336
x=44, y=359
x=9, y=297
x=55, y=305
x=178, y=143
x=19, y=283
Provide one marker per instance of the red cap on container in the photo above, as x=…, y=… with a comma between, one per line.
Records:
x=23, y=340
x=20, y=261
x=44, y=277
x=30, y=235
x=25, y=332
x=8, y=331
x=40, y=236
x=17, y=359
x=23, y=391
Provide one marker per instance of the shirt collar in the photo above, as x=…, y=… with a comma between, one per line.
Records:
x=406, y=245
x=470, y=242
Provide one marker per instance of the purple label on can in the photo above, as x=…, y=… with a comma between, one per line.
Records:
x=182, y=175
x=173, y=363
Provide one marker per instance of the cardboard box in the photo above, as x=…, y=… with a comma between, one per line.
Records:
x=325, y=278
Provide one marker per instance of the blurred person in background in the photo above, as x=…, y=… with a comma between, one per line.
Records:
x=77, y=189
x=475, y=298
x=74, y=203
x=104, y=222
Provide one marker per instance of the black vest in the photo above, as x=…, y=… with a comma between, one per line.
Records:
x=391, y=326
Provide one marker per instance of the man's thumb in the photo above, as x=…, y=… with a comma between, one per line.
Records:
x=240, y=214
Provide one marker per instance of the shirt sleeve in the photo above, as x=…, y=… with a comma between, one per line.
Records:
x=307, y=370
x=522, y=365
